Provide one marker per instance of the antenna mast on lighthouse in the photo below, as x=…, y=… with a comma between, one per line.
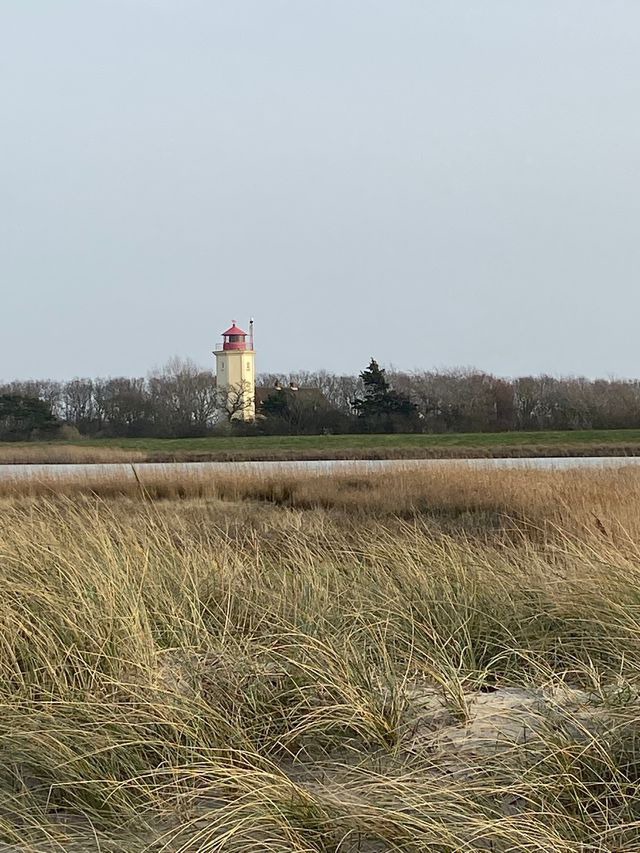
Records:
x=251, y=334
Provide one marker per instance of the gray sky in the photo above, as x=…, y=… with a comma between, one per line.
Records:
x=435, y=183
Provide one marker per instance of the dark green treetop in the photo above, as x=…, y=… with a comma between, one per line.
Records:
x=21, y=417
x=382, y=408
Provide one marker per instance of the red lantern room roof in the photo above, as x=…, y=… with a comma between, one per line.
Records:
x=234, y=330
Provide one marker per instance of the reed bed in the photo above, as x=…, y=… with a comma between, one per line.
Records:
x=480, y=448
x=65, y=454
x=375, y=663
x=583, y=500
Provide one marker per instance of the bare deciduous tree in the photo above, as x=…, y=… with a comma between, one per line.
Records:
x=235, y=401
x=181, y=399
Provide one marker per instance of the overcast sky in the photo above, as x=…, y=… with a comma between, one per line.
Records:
x=431, y=182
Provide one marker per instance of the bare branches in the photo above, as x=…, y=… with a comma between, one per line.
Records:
x=181, y=399
x=236, y=402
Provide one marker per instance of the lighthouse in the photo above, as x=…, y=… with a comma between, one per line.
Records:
x=236, y=372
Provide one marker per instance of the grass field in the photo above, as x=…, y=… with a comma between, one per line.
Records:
x=296, y=442
x=433, y=661
x=574, y=443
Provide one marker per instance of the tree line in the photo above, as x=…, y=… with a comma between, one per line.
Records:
x=181, y=400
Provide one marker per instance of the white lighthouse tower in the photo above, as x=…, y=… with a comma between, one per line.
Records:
x=236, y=372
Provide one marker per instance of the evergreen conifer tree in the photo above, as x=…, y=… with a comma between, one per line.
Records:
x=22, y=416
x=381, y=408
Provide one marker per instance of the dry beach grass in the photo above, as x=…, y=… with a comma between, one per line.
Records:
x=443, y=660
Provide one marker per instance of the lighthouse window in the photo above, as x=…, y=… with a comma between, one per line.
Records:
x=248, y=365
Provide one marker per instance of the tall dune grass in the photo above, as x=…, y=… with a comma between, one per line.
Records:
x=323, y=664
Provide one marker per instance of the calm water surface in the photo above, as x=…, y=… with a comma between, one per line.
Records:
x=320, y=467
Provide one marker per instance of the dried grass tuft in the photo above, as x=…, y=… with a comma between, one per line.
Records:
x=445, y=662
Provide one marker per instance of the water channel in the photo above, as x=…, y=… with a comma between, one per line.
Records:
x=98, y=470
